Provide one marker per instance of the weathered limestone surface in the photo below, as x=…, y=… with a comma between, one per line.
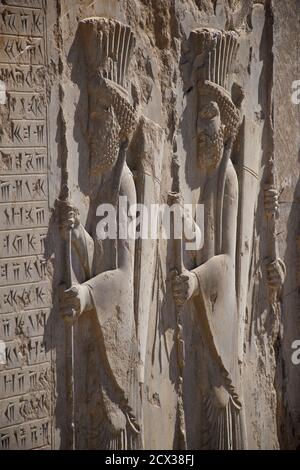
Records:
x=129, y=344
x=286, y=138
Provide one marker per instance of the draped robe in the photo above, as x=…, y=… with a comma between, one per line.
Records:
x=217, y=312
x=109, y=268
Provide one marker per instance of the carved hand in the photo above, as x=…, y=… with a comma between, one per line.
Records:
x=69, y=219
x=271, y=201
x=74, y=301
x=184, y=286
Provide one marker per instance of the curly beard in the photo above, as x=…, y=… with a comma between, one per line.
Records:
x=210, y=150
x=104, y=145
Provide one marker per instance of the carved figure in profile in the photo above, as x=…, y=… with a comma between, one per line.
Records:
x=106, y=290
x=211, y=284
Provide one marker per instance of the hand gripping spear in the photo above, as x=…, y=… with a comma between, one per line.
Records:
x=175, y=198
x=272, y=215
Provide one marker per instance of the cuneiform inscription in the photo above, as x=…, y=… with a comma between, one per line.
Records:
x=25, y=408
x=28, y=379
x=27, y=436
x=17, y=243
x=27, y=215
x=18, y=161
x=20, y=270
x=23, y=188
x=26, y=133
x=21, y=50
x=29, y=324
x=25, y=287
x=25, y=297
x=26, y=351
x=21, y=21
x=22, y=77
x=26, y=105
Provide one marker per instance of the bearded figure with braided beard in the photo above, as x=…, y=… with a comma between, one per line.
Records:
x=106, y=294
x=212, y=283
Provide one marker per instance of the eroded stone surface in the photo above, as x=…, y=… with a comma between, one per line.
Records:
x=161, y=101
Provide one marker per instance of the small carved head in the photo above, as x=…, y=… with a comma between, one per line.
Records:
x=111, y=121
x=217, y=121
x=108, y=48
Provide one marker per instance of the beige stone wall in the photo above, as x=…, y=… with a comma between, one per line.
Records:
x=286, y=135
x=266, y=65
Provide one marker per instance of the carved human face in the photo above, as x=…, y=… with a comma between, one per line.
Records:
x=104, y=131
x=210, y=140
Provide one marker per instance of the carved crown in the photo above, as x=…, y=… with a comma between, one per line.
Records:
x=108, y=47
x=214, y=53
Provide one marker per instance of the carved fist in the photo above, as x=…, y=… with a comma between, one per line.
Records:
x=69, y=219
x=74, y=301
x=184, y=286
x=276, y=274
x=271, y=201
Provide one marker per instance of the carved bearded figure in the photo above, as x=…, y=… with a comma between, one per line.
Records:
x=107, y=293
x=211, y=283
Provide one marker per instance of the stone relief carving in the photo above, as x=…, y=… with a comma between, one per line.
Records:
x=107, y=287
x=276, y=269
x=212, y=284
x=115, y=290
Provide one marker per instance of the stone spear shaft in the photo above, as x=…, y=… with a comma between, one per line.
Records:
x=273, y=252
x=64, y=202
x=175, y=199
x=271, y=216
